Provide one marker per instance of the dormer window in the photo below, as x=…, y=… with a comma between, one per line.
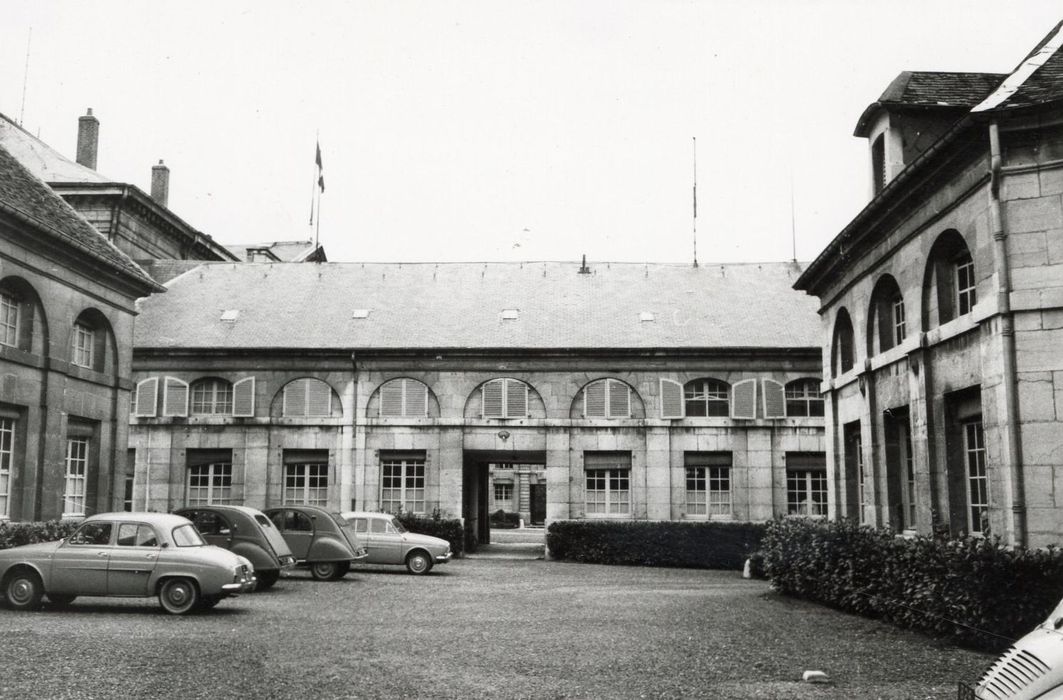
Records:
x=509, y=314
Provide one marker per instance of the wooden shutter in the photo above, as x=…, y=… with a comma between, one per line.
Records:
x=594, y=400
x=773, y=398
x=619, y=399
x=516, y=399
x=391, y=398
x=672, y=405
x=147, y=398
x=492, y=399
x=744, y=399
x=244, y=398
x=318, y=398
x=295, y=398
x=415, y=401
x=175, y=397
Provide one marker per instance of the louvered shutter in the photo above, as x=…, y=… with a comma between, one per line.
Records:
x=619, y=399
x=175, y=397
x=147, y=398
x=773, y=399
x=492, y=398
x=594, y=400
x=415, y=401
x=671, y=399
x=516, y=399
x=318, y=398
x=391, y=398
x=244, y=398
x=744, y=399
x=295, y=398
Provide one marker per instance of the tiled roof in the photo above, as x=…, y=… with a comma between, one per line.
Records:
x=1037, y=80
x=41, y=159
x=940, y=89
x=460, y=305
x=34, y=202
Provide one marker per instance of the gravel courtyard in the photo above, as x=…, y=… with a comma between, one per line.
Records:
x=477, y=628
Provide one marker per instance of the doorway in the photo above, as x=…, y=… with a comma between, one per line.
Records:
x=521, y=478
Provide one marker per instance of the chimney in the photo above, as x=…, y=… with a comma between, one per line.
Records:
x=88, y=139
x=160, y=183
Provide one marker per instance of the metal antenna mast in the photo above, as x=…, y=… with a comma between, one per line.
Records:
x=25, y=77
x=695, y=220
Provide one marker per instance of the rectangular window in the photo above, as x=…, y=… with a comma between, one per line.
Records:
x=966, y=293
x=803, y=399
x=706, y=398
x=8, y=320
x=83, y=340
x=608, y=483
x=212, y=396
x=77, y=467
x=708, y=478
x=977, y=478
x=806, y=484
x=503, y=492
x=908, y=493
x=7, y=456
x=402, y=482
x=899, y=328
x=210, y=483
x=306, y=483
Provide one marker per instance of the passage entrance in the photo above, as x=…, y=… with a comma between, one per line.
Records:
x=511, y=481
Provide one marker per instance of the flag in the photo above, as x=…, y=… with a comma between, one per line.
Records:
x=320, y=173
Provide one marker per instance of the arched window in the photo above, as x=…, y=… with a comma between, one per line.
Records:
x=707, y=397
x=950, y=286
x=842, y=348
x=17, y=311
x=887, y=324
x=404, y=398
x=88, y=341
x=307, y=398
x=504, y=398
x=607, y=398
x=212, y=396
x=803, y=398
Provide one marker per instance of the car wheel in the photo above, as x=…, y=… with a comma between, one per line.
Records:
x=179, y=596
x=418, y=563
x=266, y=579
x=24, y=590
x=325, y=570
x=60, y=600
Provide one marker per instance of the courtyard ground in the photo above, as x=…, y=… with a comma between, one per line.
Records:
x=482, y=627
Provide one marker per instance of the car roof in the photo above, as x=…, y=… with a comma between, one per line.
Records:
x=364, y=514
x=160, y=519
x=293, y=506
x=246, y=510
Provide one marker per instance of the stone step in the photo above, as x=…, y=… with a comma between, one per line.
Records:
x=509, y=550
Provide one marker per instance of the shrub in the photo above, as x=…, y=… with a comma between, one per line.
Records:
x=976, y=591
x=436, y=525
x=502, y=519
x=698, y=545
x=16, y=534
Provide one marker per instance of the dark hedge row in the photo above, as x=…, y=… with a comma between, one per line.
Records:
x=16, y=534
x=502, y=519
x=436, y=525
x=695, y=545
x=976, y=591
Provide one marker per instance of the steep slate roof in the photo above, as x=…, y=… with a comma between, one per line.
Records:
x=41, y=159
x=931, y=90
x=459, y=305
x=1037, y=80
x=34, y=202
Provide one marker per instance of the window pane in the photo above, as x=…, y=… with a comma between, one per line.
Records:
x=8, y=320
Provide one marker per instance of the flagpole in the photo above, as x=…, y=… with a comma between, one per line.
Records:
x=317, y=230
x=313, y=193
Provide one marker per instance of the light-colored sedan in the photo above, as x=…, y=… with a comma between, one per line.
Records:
x=127, y=555
x=389, y=542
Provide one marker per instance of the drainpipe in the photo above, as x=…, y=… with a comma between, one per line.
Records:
x=1013, y=448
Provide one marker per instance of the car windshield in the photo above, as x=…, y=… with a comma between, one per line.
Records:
x=397, y=525
x=187, y=536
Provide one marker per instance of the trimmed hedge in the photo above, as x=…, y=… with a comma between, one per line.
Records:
x=976, y=591
x=449, y=529
x=502, y=519
x=696, y=545
x=17, y=534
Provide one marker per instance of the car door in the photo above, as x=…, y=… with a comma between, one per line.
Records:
x=298, y=531
x=133, y=559
x=80, y=564
x=383, y=542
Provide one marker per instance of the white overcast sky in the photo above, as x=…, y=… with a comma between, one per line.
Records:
x=496, y=130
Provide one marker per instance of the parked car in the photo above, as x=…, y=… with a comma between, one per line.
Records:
x=129, y=555
x=322, y=540
x=389, y=542
x=247, y=532
x=1030, y=668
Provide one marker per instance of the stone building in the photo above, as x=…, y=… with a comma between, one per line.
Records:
x=66, y=330
x=941, y=309
x=638, y=391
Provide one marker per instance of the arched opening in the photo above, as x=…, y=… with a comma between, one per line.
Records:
x=950, y=287
x=707, y=397
x=886, y=318
x=843, y=355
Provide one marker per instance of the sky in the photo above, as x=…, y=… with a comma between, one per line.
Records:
x=496, y=131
